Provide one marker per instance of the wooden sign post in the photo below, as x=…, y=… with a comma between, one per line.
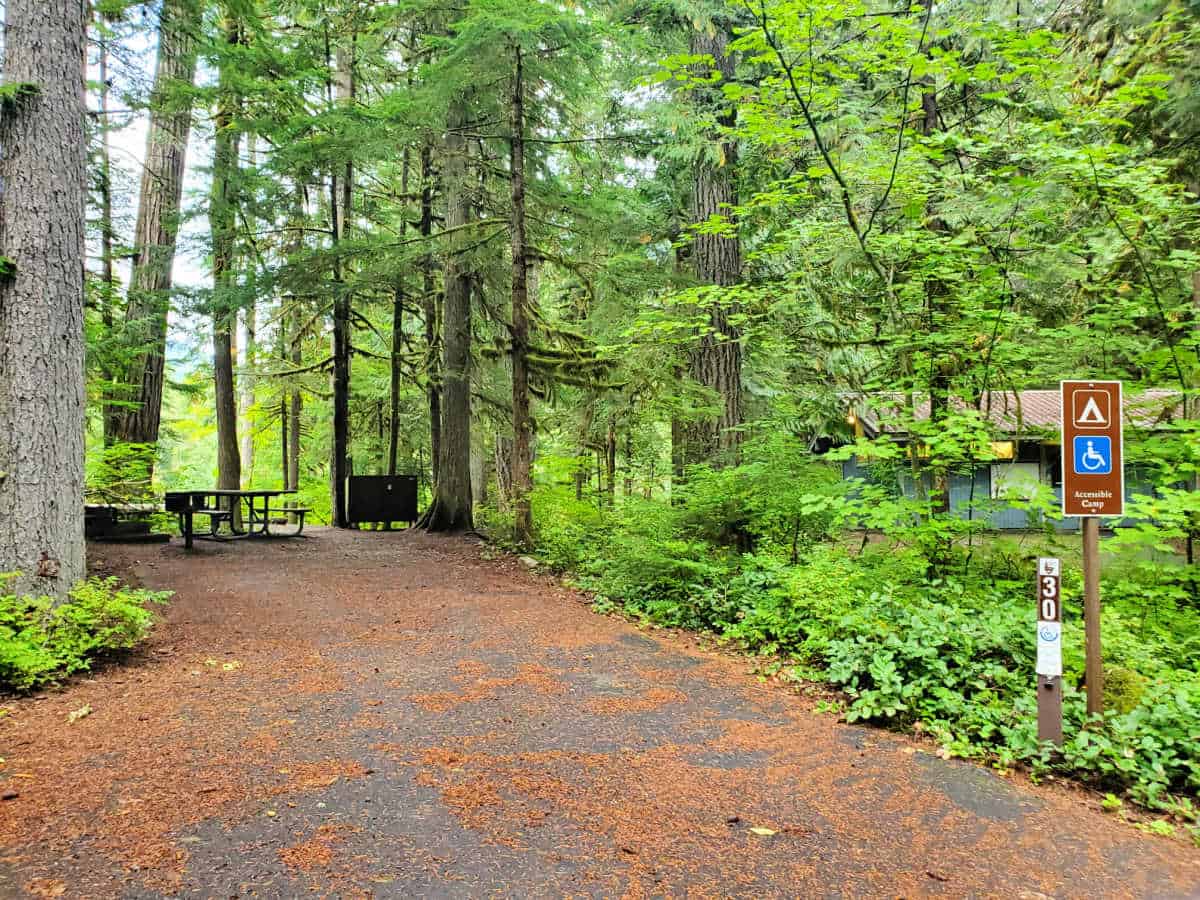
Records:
x=1049, y=651
x=1093, y=486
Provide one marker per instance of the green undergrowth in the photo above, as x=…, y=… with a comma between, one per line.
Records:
x=951, y=657
x=41, y=642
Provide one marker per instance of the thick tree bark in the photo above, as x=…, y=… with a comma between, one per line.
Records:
x=451, y=508
x=222, y=218
x=158, y=223
x=42, y=190
x=522, y=459
x=430, y=311
x=341, y=197
x=717, y=362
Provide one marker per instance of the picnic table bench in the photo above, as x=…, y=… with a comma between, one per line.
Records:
x=121, y=523
x=218, y=506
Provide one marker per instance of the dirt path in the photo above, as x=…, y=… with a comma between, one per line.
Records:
x=389, y=715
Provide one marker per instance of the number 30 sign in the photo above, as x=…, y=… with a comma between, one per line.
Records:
x=1049, y=643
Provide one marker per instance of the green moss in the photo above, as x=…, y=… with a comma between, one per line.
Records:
x=1123, y=689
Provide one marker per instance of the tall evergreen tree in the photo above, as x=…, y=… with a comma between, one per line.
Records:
x=451, y=509
x=716, y=361
x=137, y=416
x=223, y=225
x=42, y=170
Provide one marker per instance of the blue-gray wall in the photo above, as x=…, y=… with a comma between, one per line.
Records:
x=1002, y=518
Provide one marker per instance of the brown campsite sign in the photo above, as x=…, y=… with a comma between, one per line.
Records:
x=1092, y=464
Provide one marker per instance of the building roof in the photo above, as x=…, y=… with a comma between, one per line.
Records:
x=1015, y=412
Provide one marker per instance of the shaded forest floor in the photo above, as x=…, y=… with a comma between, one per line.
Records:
x=390, y=714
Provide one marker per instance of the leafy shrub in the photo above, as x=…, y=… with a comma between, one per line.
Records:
x=120, y=474
x=778, y=499
x=1153, y=750
x=960, y=661
x=922, y=661
x=41, y=642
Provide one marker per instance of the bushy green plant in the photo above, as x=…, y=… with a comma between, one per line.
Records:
x=569, y=530
x=779, y=499
x=959, y=660
x=926, y=660
x=41, y=642
x=120, y=474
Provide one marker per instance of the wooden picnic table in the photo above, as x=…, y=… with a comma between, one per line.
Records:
x=208, y=502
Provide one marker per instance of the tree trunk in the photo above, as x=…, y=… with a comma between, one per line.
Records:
x=246, y=382
x=939, y=386
x=397, y=339
x=42, y=171
x=610, y=462
x=583, y=459
x=295, y=403
x=341, y=197
x=599, y=482
x=293, y=352
x=108, y=276
x=283, y=441
x=503, y=456
x=451, y=507
x=478, y=470
x=295, y=407
x=1190, y=407
x=629, y=462
x=393, y=439
x=430, y=307
x=522, y=458
x=158, y=223
x=223, y=223
x=717, y=362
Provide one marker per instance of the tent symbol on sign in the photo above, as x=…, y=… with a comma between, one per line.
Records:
x=1091, y=409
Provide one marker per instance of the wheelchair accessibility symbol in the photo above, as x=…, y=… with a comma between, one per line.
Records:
x=1093, y=455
